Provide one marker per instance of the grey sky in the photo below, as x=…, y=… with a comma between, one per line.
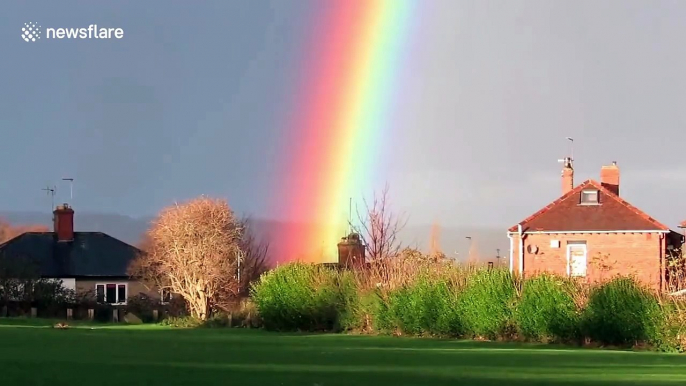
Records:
x=191, y=102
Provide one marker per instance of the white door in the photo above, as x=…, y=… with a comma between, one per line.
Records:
x=576, y=259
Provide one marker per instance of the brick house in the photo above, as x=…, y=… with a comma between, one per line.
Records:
x=592, y=233
x=85, y=262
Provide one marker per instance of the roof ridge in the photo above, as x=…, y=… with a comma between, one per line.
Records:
x=552, y=204
x=600, y=188
x=632, y=208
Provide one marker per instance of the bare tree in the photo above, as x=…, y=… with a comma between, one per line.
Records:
x=255, y=259
x=194, y=251
x=379, y=227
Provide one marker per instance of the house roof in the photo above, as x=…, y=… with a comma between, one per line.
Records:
x=566, y=214
x=89, y=254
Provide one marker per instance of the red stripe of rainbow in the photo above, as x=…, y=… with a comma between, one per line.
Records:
x=340, y=117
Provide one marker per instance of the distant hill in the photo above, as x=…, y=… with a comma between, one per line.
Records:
x=452, y=240
x=125, y=228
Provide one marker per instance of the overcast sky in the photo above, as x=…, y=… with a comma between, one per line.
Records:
x=191, y=102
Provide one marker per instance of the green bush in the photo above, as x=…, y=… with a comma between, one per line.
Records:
x=182, y=322
x=547, y=311
x=300, y=296
x=621, y=312
x=487, y=303
x=424, y=308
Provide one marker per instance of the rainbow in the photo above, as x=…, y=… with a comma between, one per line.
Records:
x=343, y=108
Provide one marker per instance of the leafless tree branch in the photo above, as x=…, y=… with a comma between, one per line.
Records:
x=379, y=227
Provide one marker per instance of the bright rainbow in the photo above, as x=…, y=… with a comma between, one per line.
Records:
x=342, y=112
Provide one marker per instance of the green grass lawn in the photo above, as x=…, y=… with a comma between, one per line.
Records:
x=152, y=355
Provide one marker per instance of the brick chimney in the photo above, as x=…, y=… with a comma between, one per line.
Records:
x=609, y=177
x=567, y=176
x=64, y=223
x=351, y=251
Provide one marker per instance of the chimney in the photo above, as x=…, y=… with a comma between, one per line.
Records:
x=567, y=176
x=609, y=177
x=64, y=223
x=351, y=251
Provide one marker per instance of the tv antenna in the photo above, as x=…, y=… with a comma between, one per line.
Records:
x=571, y=148
x=71, y=188
x=567, y=161
x=51, y=192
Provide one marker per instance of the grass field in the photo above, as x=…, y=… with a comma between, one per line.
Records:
x=152, y=355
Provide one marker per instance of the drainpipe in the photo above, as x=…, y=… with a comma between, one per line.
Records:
x=663, y=263
x=509, y=236
x=521, y=250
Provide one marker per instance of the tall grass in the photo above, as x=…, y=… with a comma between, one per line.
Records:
x=303, y=297
x=487, y=304
x=547, y=310
x=621, y=312
x=420, y=296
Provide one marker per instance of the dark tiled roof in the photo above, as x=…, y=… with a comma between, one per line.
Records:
x=612, y=214
x=90, y=254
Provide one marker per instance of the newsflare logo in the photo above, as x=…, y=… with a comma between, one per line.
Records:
x=32, y=32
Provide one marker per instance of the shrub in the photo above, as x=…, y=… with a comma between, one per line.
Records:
x=423, y=307
x=674, y=336
x=486, y=304
x=246, y=316
x=142, y=306
x=181, y=322
x=547, y=311
x=301, y=296
x=217, y=320
x=621, y=312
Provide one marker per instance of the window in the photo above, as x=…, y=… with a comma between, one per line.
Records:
x=111, y=293
x=589, y=197
x=576, y=258
x=121, y=293
x=165, y=296
x=100, y=293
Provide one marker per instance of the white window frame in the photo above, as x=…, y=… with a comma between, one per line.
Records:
x=570, y=245
x=171, y=296
x=590, y=191
x=117, y=284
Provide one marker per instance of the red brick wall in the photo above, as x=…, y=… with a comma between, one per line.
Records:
x=608, y=254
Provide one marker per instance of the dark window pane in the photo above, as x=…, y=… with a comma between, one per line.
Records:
x=111, y=294
x=121, y=295
x=166, y=296
x=100, y=293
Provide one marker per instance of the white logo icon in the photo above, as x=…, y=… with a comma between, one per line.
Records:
x=30, y=32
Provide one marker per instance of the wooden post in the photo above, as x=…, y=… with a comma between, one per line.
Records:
x=91, y=314
x=155, y=315
x=70, y=313
x=230, y=319
x=115, y=315
x=34, y=312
